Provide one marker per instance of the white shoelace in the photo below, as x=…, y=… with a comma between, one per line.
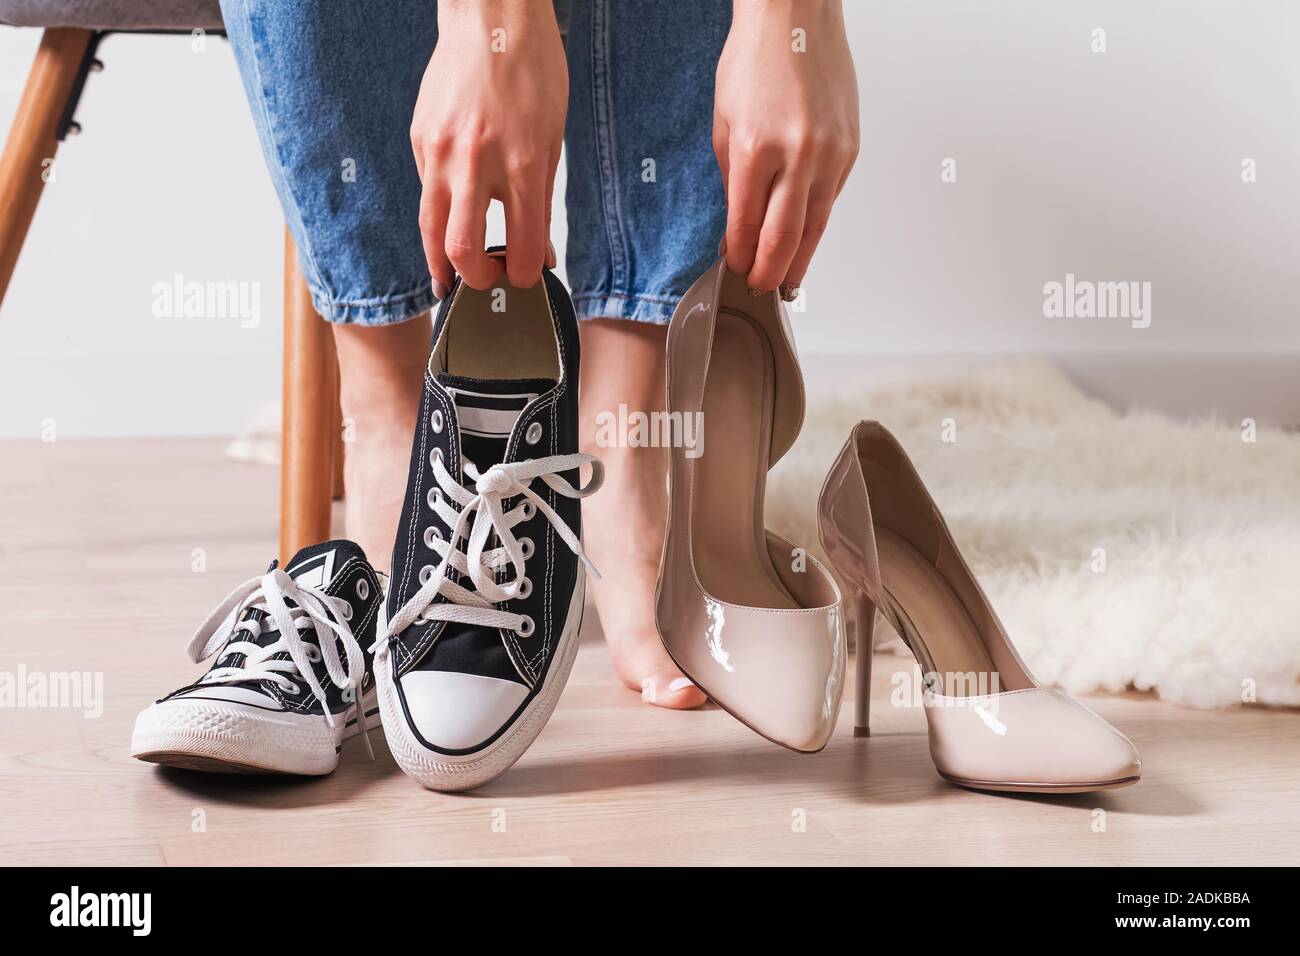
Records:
x=268, y=593
x=479, y=565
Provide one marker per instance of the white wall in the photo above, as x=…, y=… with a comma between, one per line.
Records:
x=165, y=178
x=1123, y=165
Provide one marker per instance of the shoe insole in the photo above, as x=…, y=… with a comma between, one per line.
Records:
x=934, y=622
x=500, y=333
x=730, y=545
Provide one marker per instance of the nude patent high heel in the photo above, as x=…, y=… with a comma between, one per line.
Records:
x=992, y=726
x=752, y=620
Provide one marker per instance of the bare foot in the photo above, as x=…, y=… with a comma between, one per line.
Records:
x=381, y=373
x=623, y=523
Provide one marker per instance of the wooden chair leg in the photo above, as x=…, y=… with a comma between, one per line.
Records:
x=34, y=138
x=310, y=427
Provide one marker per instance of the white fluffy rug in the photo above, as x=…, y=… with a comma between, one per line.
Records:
x=1199, y=530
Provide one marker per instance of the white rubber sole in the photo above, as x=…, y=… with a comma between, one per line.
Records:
x=218, y=737
x=448, y=773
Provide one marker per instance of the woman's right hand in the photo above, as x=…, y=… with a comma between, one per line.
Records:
x=489, y=124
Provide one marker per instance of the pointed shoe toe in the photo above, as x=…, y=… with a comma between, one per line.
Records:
x=1035, y=740
x=778, y=671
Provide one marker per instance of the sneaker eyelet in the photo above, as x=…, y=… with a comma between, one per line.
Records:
x=426, y=573
x=346, y=611
x=434, y=497
x=526, y=627
x=435, y=420
x=529, y=510
x=525, y=588
x=435, y=456
x=313, y=652
x=534, y=433
x=526, y=545
x=363, y=588
x=431, y=534
x=292, y=690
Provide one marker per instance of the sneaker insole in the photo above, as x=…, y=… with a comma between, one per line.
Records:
x=730, y=545
x=501, y=333
x=936, y=624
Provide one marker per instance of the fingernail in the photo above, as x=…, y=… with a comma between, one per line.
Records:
x=440, y=291
x=680, y=684
x=757, y=293
x=551, y=258
x=789, y=291
x=722, y=246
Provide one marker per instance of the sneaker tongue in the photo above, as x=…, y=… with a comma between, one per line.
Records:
x=313, y=566
x=316, y=565
x=486, y=411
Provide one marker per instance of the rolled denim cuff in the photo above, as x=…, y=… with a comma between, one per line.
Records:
x=652, y=309
x=389, y=310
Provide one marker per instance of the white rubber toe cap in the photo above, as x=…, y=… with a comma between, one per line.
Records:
x=459, y=711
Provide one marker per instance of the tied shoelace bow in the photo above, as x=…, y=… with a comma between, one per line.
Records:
x=313, y=610
x=479, y=563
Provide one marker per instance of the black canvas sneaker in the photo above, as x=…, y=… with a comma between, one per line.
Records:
x=292, y=661
x=486, y=596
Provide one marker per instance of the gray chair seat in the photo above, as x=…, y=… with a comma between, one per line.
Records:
x=113, y=14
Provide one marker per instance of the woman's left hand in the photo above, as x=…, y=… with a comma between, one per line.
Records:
x=785, y=130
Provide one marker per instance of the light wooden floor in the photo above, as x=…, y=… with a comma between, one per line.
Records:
x=97, y=545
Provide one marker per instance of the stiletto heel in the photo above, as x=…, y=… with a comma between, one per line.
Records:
x=844, y=527
x=992, y=725
x=864, y=631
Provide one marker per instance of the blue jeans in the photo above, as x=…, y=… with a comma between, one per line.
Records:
x=333, y=84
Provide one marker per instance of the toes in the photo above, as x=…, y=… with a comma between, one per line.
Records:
x=643, y=665
x=671, y=690
x=683, y=695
